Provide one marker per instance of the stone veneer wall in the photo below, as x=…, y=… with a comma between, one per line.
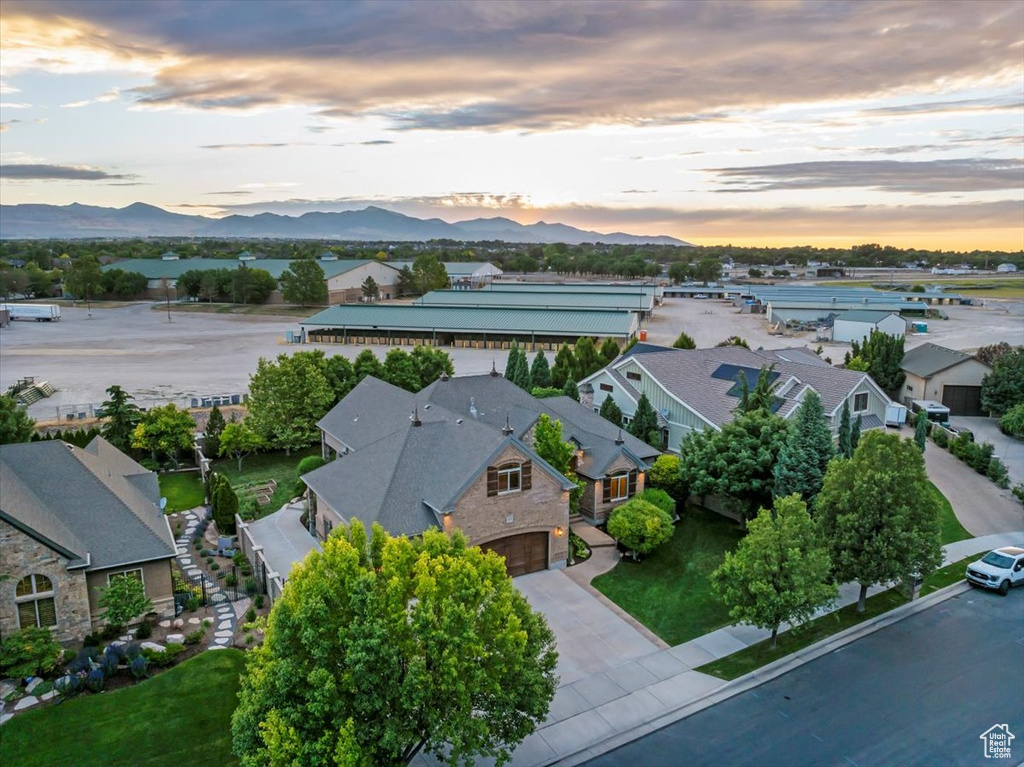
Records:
x=21, y=555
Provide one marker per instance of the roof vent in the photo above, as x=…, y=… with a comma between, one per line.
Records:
x=444, y=377
x=619, y=440
x=472, y=408
x=507, y=428
x=494, y=370
x=415, y=417
x=458, y=422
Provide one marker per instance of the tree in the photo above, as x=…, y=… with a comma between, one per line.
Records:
x=921, y=431
x=547, y=441
x=884, y=355
x=879, y=515
x=664, y=474
x=209, y=286
x=609, y=350
x=587, y=359
x=736, y=463
x=522, y=372
x=165, y=431
x=678, y=272
x=456, y=663
x=542, y=392
x=400, y=370
x=214, y=428
x=708, y=270
x=341, y=375
x=223, y=503
x=640, y=526
x=684, y=342
x=367, y=364
x=989, y=354
x=512, y=362
x=1003, y=388
x=570, y=389
x=304, y=283
x=189, y=284
x=287, y=398
x=845, y=448
x=251, y=286
x=761, y=398
x=428, y=274
x=238, y=439
x=855, y=433
x=804, y=458
x=124, y=599
x=371, y=291
x=540, y=372
x=431, y=363
x=565, y=367
x=644, y=425
x=121, y=416
x=84, y=279
x=15, y=425
x=611, y=411
x=733, y=341
x=406, y=283
x=779, y=573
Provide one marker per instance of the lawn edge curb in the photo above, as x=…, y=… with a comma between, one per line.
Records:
x=760, y=676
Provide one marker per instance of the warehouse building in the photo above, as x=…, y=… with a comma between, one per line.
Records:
x=786, y=310
x=640, y=302
x=858, y=325
x=466, y=326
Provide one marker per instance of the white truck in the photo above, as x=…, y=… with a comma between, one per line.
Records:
x=1000, y=569
x=37, y=312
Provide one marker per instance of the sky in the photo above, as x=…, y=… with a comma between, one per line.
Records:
x=771, y=122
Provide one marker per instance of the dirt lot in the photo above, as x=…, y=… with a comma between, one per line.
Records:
x=199, y=354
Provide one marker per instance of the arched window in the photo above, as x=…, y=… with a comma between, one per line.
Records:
x=36, y=606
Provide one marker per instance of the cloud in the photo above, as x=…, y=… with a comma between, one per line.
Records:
x=638, y=191
x=14, y=105
x=536, y=66
x=8, y=88
x=946, y=107
x=275, y=145
x=969, y=175
x=44, y=172
x=112, y=95
x=376, y=142
x=232, y=193
x=268, y=185
x=6, y=125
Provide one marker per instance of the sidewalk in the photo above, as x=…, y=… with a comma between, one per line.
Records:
x=616, y=702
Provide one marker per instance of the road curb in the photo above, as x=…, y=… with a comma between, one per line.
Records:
x=760, y=676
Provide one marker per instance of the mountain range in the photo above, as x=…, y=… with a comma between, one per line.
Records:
x=369, y=224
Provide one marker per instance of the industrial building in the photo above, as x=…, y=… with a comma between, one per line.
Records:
x=466, y=326
x=858, y=325
x=640, y=302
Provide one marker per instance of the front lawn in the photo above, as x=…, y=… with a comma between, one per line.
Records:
x=951, y=529
x=670, y=591
x=183, y=491
x=182, y=716
x=262, y=467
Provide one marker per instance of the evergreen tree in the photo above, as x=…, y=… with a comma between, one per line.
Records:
x=845, y=448
x=644, y=425
x=804, y=458
x=540, y=372
x=564, y=367
x=214, y=428
x=570, y=389
x=15, y=425
x=121, y=416
x=367, y=364
x=761, y=398
x=855, y=434
x=609, y=350
x=371, y=291
x=512, y=362
x=610, y=411
x=587, y=359
x=921, y=431
x=684, y=342
x=522, y=376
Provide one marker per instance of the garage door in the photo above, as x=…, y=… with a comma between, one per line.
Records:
x=962, y=400
x=523, y=554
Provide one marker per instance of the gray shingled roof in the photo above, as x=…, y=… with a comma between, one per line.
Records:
x=928, y=359
x=373, y=408
x=596, y=436
x=95, y=502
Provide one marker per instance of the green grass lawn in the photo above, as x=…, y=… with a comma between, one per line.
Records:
x=761, y=654
x=183, y=491
x=951, y=528
x=262, y=467
x=182, y=716
x=670, y=591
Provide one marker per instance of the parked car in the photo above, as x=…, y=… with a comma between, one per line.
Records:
x=1000, y=570
x=701, y=295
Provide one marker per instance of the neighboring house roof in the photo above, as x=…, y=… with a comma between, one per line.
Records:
x=96, y=503
x=597, y=437
x=155, y=269
x=473, y=319
x=704, y=378
x=928, y=359
x=869, y=317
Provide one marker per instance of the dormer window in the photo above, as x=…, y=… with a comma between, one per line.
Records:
x=509, y=478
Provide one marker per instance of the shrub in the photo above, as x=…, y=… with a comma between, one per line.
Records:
x=163, y=658
x=207, y=623
x=246, y=571
x=150, y=464
x=250, y=614
x=209, y=560
x=139, y=667
x=661, y=499
x=68, y=685
x=997, y=472
x=1018, y=491
x=250, y=586
x=96, y=680
x=215, y=566
x=940, y=437
x=109, y=662
x=132, y=650
x=231, y=580
x=83, y=661
x=205, y=553
x=239, y=558
x=665, y=475
x=195, y=637
x=192, y=604
x=1012, y=422
x=111, y=631
x=258, y=599
x=310, y=463
x=91, y=640
x=144, y=630
x=30, y=652
x=640, y=526
x=248, y=638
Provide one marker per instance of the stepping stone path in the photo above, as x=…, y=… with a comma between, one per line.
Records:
x=26, y=702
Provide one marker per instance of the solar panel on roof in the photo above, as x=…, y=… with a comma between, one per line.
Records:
x=727, y=372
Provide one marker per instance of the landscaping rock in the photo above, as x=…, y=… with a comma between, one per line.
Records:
x=32, y=684
x=5, y=717
x=216, y=598
x=165, y=624
x=224, y=634
x=222, y=641
x=26, y=702
x=194, y=621
x=175, y=639
x=224, y=625
x=153, y=646
x=7, y=686
x=217, y=647
x=185, y=561
x=178, y=623
x=48, y=695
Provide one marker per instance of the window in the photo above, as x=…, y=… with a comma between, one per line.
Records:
x=510, y=479
x=34, y=598
x=136, y=574
x=632, y=376
x=860, y=402
x=910, y=387
x=607, y=387
x=619, y=487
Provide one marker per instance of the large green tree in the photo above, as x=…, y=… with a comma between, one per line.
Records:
x=1003, y=388
x=370, y=288
x=879, y=515
x=123, y=599
x=304, y=283
x=15, y=425
x=609, y=350
x=399, y=370
x=121, y=416
x=587, y=358
x=611, y=411
x=428, y=274
x=238, y=440
x=366, y=364
x=780, y=572
x=431, y=363
x=540, y=371
x=287, y=398
x=165, y=431
x=84, y=280
x=223, y=504
x=805, y=456
x=883, y=354
x=845, y=448
x=565, y=367
x=378, y=650
x=215, y=424
x=708, y=270
x=644, y=425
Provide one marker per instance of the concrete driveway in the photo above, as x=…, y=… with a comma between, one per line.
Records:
x=1009, y=450
x=981, y=506
x=591, y=638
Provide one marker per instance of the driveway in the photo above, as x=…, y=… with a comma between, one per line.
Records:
x=591, y=638
x=981, y=506
x=1009, y=450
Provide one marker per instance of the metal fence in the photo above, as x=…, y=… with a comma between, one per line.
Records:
x=209, y=591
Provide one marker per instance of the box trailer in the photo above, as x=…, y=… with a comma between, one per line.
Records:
x=37, y=312
x=895, y=415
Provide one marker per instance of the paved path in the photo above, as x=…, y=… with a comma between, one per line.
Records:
x=981, y=506
x=1007, y=449
x=284, y=539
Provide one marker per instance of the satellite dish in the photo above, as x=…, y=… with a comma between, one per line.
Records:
x=163, y=504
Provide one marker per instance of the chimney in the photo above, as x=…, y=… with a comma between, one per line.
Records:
x=472, y=408
x=416, y=417
x=587, y=395
x=619, y=440
x=507, y=428
x=494, y=370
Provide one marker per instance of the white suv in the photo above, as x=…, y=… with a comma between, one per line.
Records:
x=1000, y=569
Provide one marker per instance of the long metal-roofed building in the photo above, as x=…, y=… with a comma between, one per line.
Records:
x=840, y=294
x=640, y=302
x=577, y=287
x=466, y=326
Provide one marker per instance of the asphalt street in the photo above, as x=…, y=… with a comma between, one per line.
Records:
x=919, y=692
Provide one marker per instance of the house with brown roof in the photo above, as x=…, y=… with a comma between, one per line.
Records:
x=698, y=389
x=71, y=519
x=460, y=454
x=944, y=375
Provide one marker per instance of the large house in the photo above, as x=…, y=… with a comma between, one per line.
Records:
x=459, y=454
x=698, y=389
x=945, y=375
x=71, y=519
